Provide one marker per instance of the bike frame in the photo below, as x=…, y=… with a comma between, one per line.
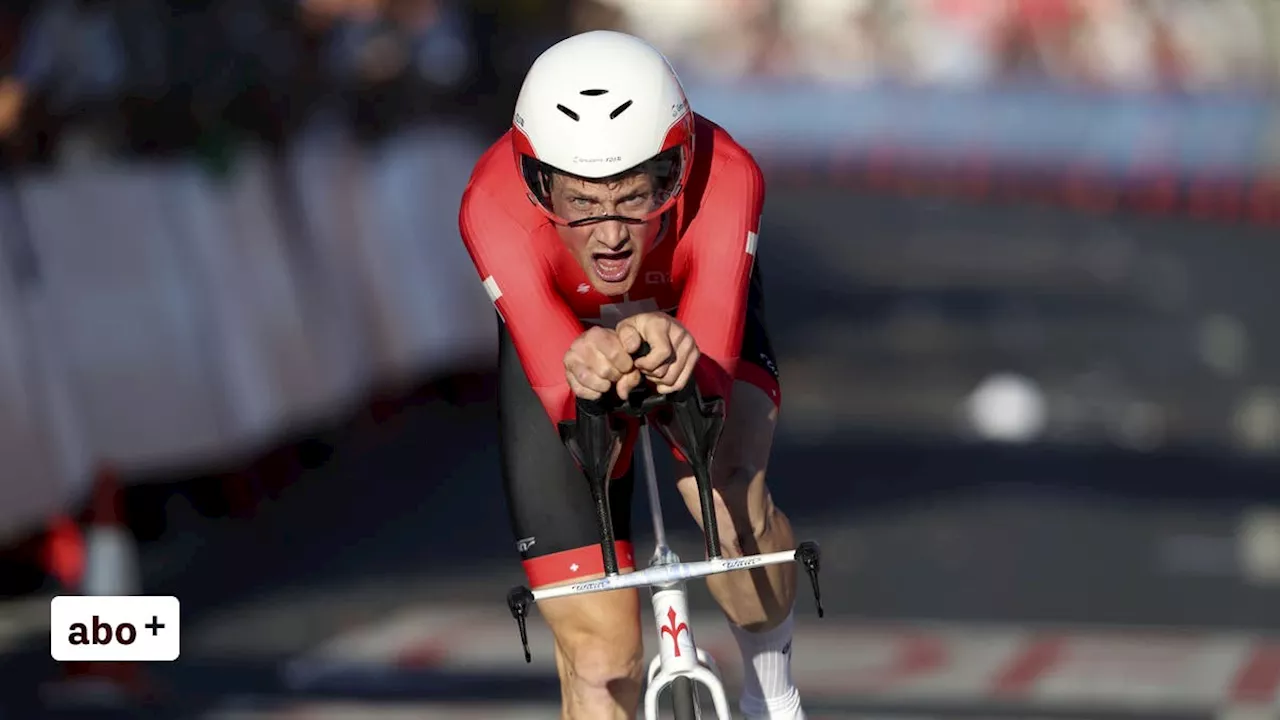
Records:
x=678, y=654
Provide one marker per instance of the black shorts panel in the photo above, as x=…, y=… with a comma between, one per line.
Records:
x=547, y=495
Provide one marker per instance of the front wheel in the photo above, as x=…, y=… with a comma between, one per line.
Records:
x=684, y=698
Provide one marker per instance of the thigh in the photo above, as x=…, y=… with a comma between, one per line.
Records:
x=746, y=441
x=757, y=364
x=742, y=453
x=744, y=506
x=550, y=506
x=747, y=437
x=743, y=502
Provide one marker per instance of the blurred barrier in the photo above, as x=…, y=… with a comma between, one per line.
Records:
x=156, y=314
x=126, y=317
x=429, y=309
x=41, y=442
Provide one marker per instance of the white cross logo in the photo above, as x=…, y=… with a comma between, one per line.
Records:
x=573, y=567
x=612, y=313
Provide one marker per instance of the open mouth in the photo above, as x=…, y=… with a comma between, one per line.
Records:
x=611, y=267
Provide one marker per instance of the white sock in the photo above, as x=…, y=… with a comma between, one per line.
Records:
x=767, y=689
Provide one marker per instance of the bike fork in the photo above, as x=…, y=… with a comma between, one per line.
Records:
x=678, y=652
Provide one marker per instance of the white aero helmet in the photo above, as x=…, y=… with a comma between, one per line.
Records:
x=597, y=105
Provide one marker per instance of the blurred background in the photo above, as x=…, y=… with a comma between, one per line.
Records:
x=1019, y=259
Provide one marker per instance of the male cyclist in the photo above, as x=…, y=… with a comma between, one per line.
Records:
x=611, y=214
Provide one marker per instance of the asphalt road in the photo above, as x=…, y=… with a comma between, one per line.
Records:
x=353, y=587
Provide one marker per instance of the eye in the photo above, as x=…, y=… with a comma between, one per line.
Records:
x=580, y=203
x=637, y=200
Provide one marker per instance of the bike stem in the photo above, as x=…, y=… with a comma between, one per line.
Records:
x=655, y=505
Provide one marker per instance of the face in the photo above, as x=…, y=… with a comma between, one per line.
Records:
x=610, y=251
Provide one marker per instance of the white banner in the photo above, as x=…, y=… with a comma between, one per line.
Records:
x=430, y=313
x=124, y=313
x=45, y=462
x=318, y=180
x=237, y=257
x=29, y=489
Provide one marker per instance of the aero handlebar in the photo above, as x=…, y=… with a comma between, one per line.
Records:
x=689, y=422
x=692, y=425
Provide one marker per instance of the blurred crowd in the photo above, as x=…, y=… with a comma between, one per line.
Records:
x=164, y=75
x=164, y=72
x=1189, y=45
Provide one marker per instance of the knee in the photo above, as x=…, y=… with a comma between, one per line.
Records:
x=602, y=662
x=599, y=653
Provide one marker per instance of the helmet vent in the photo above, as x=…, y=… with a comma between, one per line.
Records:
x=619, y=110
x=572, y=115
x=593, y=93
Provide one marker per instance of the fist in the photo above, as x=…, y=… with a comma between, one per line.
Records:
x=673, y=352
x=598, y=361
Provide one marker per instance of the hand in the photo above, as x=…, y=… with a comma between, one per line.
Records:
x=673, y=352
x=597, y=361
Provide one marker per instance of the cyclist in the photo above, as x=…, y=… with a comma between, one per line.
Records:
x=608, y=215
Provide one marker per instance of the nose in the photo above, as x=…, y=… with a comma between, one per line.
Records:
x=612, y=234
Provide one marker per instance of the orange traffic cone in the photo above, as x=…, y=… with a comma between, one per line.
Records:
x=63, y=552
x=111, y=555
x=110, y=567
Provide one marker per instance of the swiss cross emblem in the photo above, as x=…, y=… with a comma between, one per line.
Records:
x=613, y=313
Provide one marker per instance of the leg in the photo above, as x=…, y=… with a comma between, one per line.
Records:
x=749, y=522
x=757, y=603
x=599, y=651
